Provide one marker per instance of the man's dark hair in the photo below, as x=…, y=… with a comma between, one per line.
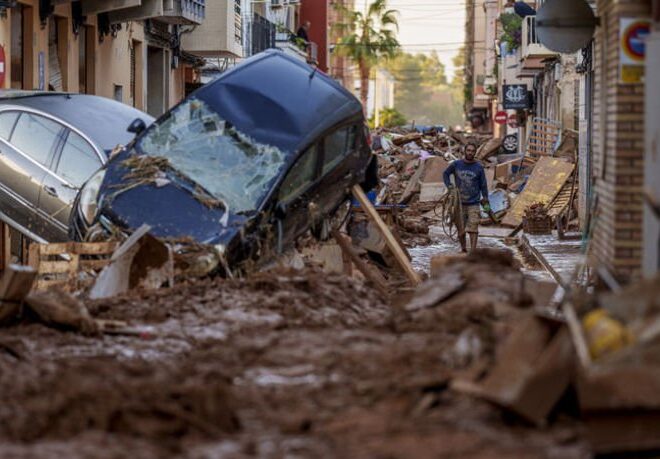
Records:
x=470, y=144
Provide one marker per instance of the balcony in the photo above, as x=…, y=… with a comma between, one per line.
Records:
x=191, y=12
x=533, y=53
x=221, y=33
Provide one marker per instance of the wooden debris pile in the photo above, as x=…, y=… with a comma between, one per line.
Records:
x=536, y=219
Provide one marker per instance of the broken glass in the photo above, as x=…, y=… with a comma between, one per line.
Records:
x=209, y=150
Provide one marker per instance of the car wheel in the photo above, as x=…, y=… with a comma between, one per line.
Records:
x=510, y=143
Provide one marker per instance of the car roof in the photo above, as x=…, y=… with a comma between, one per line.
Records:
x=279, y=100
x=103, y=120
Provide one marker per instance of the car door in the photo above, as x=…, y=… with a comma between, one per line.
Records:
x=295, y=194
x=75, y=162
x=339, y=160
x=24, y=161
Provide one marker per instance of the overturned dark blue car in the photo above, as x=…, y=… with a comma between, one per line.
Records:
x=246, y=163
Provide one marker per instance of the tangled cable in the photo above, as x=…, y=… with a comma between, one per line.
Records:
x=449, y=207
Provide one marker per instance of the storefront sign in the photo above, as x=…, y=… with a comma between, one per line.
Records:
x=2, y=67
x=516, y=96
x=633, y=34
x=500, y=117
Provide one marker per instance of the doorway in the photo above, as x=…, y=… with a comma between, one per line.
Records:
x=21, y=47
x=86, y=52
x=157, y=81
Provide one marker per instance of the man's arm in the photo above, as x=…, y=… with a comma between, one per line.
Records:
x=447, y=174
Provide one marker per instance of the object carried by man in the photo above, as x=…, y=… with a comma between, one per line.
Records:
x=470, y=179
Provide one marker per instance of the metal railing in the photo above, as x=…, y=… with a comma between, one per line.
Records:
x=529, y=35
x=531, y=46
x=313, y=53
x=261, y=34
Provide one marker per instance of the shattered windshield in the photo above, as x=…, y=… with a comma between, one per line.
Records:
x=228, y=164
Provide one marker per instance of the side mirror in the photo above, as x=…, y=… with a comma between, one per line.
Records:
x=137, y=126
x=280, y=211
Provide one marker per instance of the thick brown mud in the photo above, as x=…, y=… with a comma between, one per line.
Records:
x=284, y=364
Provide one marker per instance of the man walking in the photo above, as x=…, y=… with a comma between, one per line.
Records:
x=470, y=179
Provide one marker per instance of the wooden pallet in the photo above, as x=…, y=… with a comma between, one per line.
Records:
x=61, y=264
x=543, y=137
x=564, y=198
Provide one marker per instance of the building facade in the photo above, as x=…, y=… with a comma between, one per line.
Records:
x=480, y=63
x=144, y=53
x=619, y=143
x=603, y=99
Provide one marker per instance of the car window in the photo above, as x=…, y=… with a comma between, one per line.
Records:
x=336, y=146
x=78, y=160
x=300, y=176
x=231, y=166
x=7, y=121
x=35, y=136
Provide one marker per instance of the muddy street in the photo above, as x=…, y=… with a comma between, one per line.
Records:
x=282, y=364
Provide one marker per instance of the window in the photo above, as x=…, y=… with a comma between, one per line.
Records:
x=225, y=162
x=35, y=135
x=78, y=160
x=118, y=93
x=300, y=176
x=7, y=121
x=336, y=146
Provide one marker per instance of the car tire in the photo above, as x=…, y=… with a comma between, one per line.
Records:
x=510, y=143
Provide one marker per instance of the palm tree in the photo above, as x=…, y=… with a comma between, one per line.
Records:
x=366, y=38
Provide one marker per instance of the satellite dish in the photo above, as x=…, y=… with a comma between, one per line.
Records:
x=565, y=26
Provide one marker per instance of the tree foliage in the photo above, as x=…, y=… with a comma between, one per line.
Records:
x=389, y=117
x=367, y=38
x=422, y=92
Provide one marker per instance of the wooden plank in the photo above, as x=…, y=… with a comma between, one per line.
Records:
x=43, y=284
x=5, y=246
x=95, y=248
x=370, y=273
x=545, y=182
x=390, y=240
x=96, y=265
x=34, y=256
x=54, y=267
x=577, y=335
x=15, y=284
x=58, y=248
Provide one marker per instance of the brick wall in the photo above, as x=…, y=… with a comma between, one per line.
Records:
x=618, y=148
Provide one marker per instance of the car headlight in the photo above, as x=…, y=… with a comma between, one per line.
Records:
x=88, y=204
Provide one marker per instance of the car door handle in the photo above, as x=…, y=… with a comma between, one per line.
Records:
x=50, y=190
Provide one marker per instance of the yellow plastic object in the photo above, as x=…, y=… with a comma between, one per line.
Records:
x=604, y=333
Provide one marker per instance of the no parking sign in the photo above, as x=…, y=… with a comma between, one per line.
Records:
x=633, y=34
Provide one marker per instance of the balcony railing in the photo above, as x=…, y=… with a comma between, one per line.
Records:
x=531, y=46
x=190, y=12
x=184, y=11
x=264, y=34
x=261, y=34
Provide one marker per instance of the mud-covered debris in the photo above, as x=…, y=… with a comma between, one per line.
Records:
x=434, y=291
x=142, y=400
x=141, y=261
x=58, y=308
